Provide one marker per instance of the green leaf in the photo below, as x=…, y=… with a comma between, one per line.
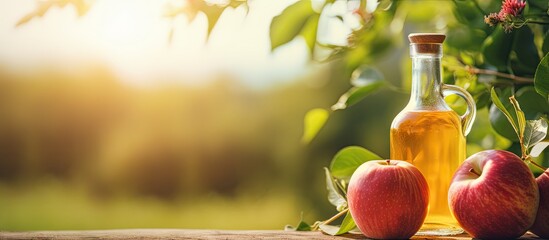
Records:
x=355, y=94
x=535, y=8
x=289, y=23
x=359, y=93
x=498, y=120
x=535, y=132
x=366, y=75
x=347, y=225
x=497, y=48
x=348, y=159
x=366, y=80
x=533, y=104
x=303, y=226
x=545, y=46
x=538, y=148
x=309, y=32
x=329, y=229
x=314, y=121
x=521, y=119
x=461, y=38
x=335, y=197
x=541, y=78
x=384, y=4
x=482, y=99
x=527, y=57
x=467, y=58
x=538, y=4
x=501, y=124
x=467, y=13
x=501, y=107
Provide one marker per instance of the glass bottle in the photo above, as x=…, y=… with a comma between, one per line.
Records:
x=429, y=134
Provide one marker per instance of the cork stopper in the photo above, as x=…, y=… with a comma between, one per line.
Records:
x=426, y=37
x=427, y=42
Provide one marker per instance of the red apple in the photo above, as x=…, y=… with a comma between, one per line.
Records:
x=493, y=195
x=388, y=199
x=541, y=225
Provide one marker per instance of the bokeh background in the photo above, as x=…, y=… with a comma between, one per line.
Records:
x=124, y=118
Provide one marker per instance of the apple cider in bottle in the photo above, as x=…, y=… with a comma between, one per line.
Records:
x=429, y=134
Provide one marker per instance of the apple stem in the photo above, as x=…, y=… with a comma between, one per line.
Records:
x=474, y=172
x=338, y=215
x=388, y=161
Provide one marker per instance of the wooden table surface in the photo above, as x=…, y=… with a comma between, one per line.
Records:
x=195, y=234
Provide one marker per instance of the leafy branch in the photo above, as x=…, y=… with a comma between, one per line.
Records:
x=530, y=132
x=342, y=167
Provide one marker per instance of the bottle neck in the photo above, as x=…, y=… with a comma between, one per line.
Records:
x=426, y=79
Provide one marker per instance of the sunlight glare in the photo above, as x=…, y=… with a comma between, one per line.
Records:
x=131, y=37
x=130, y=25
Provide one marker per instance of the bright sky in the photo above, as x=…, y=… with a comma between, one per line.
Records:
x=131, y=37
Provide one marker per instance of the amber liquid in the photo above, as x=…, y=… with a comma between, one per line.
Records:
x=433, y=141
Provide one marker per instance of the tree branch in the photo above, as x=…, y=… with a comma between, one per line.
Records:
x=515, y=78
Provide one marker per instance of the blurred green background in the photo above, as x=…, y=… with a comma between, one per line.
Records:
x=122, y=118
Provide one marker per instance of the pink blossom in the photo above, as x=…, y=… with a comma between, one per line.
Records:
x=510, y=11
x=511, y=8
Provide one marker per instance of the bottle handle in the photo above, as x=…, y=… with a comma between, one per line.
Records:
x=468, y=117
